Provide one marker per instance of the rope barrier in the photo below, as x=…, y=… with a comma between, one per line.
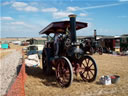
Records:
x=17, y=88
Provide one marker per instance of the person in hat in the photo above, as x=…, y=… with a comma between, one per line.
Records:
x=56, y=43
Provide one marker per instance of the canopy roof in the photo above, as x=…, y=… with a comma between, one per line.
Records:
x=61, y=27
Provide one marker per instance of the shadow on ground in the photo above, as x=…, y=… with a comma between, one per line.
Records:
x=47, y=80
x=37, y=72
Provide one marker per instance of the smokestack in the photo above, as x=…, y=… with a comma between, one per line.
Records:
x=73, y=27
x=95, y=34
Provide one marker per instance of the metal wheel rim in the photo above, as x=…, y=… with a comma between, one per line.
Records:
x=64, y=72
x=89, y=69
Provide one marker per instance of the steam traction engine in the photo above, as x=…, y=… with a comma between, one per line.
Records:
x=71, y=58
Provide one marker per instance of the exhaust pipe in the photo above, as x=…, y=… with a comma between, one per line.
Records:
x=73, y=27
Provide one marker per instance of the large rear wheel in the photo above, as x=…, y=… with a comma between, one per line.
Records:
x=64, y=73
x=88, y=69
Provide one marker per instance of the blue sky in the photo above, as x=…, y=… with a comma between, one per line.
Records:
x=25, y=18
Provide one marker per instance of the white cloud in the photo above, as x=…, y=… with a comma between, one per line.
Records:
x=30, y=8
x=18, y=23
x=83, y=14
x=49, y=10
x=123, y=0
x=19, y=9
x=99, y=6
x=86, y=31
x=19, y=29
x=21, y=6
x=84, y=19
x=122, y=16
x=72, y=8
x=22, y=24
x=34, y=3
x=65, y=19
x=6, y=18
x=61, y=14
x=89, y=19
x=6, y=3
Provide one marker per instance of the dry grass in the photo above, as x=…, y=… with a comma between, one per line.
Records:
x=38, y=84
x=3, y=54
x=18, y=47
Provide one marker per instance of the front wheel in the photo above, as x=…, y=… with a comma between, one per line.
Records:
x=64, y=73
x=88, y=69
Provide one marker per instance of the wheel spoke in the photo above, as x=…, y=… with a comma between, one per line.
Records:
x=83, y=64
x=88, y=74
x=90, y=65
x=92, y=69
x=87, y=62
x=91, y=72
x=83, y=68
x=84, y=72
x=63, y=79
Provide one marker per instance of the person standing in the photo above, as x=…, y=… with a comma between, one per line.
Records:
x=56, y=44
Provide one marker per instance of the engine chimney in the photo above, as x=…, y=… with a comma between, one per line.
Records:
x=95, y=34
x=73, y=27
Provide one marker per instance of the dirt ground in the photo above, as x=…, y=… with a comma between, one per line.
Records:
x=38, y=84
x=5, y=52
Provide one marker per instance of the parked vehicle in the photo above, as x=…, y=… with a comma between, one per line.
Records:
x=34, y=49
x=71, y=58
x=87, y=46
x=97, y=47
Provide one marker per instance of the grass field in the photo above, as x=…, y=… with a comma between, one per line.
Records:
x=38, y=84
